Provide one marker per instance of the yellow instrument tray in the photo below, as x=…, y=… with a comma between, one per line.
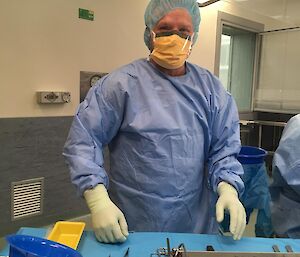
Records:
x=67, y=233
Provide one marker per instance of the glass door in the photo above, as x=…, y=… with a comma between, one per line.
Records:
x=236, y=70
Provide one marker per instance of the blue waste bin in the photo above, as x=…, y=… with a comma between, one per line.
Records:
x=30, y=246
x=252, y=155
x=256, y=194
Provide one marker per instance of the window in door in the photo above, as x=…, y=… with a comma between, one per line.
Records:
x=236, y=70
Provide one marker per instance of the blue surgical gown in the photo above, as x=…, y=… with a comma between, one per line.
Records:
x=171, y=141
x=285, y=189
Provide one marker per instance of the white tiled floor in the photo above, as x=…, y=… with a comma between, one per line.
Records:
x=87, y=220
x=250, y=228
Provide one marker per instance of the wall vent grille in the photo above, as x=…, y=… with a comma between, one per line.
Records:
x=27, y=198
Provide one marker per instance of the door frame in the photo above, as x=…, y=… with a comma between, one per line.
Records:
x=244, y=24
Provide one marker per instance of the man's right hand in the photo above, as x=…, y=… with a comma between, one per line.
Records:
x=109, y=223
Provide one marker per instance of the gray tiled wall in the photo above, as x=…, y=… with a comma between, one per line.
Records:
x=32, y=148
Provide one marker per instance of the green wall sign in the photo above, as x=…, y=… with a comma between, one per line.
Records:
x=86, y=14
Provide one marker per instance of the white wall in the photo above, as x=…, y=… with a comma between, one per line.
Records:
x=44, y=46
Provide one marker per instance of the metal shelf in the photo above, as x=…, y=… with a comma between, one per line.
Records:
x=260, y=124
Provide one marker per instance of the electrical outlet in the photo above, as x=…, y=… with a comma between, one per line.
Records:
x=48, y=97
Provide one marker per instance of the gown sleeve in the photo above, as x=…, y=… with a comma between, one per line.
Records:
x=225, y=142
x=96, y=122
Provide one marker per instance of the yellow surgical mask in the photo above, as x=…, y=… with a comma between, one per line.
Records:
x=171, y=49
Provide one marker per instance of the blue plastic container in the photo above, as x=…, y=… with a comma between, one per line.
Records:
x=251, y=155
x=30, y=246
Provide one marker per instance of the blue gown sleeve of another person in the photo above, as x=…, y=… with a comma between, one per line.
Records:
x=285, y=189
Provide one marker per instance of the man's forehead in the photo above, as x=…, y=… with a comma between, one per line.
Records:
x=179, y=15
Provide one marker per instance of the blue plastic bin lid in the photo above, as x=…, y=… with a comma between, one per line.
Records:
x=30, y=246
x=251, y=155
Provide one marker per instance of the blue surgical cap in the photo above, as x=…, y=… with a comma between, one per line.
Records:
x=157, y=9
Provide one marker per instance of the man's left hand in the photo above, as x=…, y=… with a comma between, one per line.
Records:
x=228, y=200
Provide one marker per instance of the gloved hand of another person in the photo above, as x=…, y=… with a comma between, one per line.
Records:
x=228, y=199
x=108, y=221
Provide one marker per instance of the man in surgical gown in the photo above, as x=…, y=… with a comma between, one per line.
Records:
x=173, y=136
x=285, y=189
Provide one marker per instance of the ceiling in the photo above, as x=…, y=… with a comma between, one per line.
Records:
x=283, y=10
